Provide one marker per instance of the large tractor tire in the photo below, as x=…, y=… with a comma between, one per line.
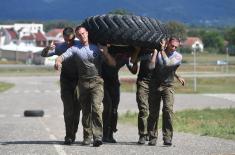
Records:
x=125, y=30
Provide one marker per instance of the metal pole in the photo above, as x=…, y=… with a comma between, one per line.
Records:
x=227, y=60
x=194, y=70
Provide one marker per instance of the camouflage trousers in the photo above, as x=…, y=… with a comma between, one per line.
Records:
x=91, y=96
x=142, y=95
x=166, y=94
x=72, y=107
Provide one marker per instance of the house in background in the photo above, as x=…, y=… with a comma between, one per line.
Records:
x=8, y=36
x=55, y=35
x=36, y=39
x=21, y=53
x=193, y=43
x=22, y=42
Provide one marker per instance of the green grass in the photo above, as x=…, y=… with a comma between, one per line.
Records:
x=208, y=85
x=204, y=85
x=25, y=70
x=208, y=57
x=207, y=122
x=5, y=86
x=216, y=123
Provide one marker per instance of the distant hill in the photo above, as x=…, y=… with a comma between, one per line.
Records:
x=206, y=12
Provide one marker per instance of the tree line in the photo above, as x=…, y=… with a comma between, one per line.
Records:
x=215, y=39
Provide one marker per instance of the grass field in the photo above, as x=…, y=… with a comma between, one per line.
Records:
x=27, y=70
x=205, y=63
x=5, y=86
x=207, y=122
x=204, y=85
x=208, y=58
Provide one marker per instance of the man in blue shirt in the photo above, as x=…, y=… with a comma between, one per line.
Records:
x=88, y=59
x=68, y=84
x=164, y=63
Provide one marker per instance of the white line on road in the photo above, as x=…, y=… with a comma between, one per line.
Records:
x=58, y=148
x=47, y=91
x=26, y=91
x=16, y=115
x=16, y=91
x=36, y=91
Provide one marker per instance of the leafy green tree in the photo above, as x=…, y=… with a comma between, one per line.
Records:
x=214, y=41
x=59, y=24
x=177, y=29
x=230, y=36
x=120, y=12
x=196, y=33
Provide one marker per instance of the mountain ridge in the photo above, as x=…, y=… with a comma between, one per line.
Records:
x=200, y=12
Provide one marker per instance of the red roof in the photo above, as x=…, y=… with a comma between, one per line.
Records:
x=40, y=36
x=54, y=32
x=12, y=33
x=35, y=36
x=191, y=40
x=30, y=37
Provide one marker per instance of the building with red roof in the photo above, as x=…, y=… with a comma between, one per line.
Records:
x=195, y=43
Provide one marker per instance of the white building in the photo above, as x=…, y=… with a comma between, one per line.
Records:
x=22, y=42
x=194, y=43
x=25, y=29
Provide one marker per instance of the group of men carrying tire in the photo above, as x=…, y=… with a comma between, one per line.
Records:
x=89, y=80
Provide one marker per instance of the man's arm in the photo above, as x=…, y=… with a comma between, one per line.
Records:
x=133, y=68
x=180, y=79
x=134, y=55
x=58, y=61
x=132, y=64
x=109, y=59
x=153, y=59
x=49, y=50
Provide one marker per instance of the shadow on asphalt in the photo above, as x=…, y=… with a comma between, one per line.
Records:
x=122, y=143
x=60, y=143
x=31, y=142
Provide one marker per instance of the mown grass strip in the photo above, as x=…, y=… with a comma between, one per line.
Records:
x=207, y=122
x=5, y=86
x=204, y=85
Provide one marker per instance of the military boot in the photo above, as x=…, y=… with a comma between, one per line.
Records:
x=111, y=139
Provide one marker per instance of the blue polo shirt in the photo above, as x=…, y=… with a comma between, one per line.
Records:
x=88, y=59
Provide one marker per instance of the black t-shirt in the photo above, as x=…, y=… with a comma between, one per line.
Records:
x=144, y=72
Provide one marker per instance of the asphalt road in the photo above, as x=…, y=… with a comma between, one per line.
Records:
x=44, y=135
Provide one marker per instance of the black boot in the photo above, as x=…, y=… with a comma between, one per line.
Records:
x=105, y=138
x=111, y=139
x=108, y=136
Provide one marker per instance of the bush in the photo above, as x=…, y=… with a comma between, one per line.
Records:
x=185, y=50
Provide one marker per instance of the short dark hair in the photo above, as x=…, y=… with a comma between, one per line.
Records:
x=79, y=27
x=174, y=38
x=68, y=31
